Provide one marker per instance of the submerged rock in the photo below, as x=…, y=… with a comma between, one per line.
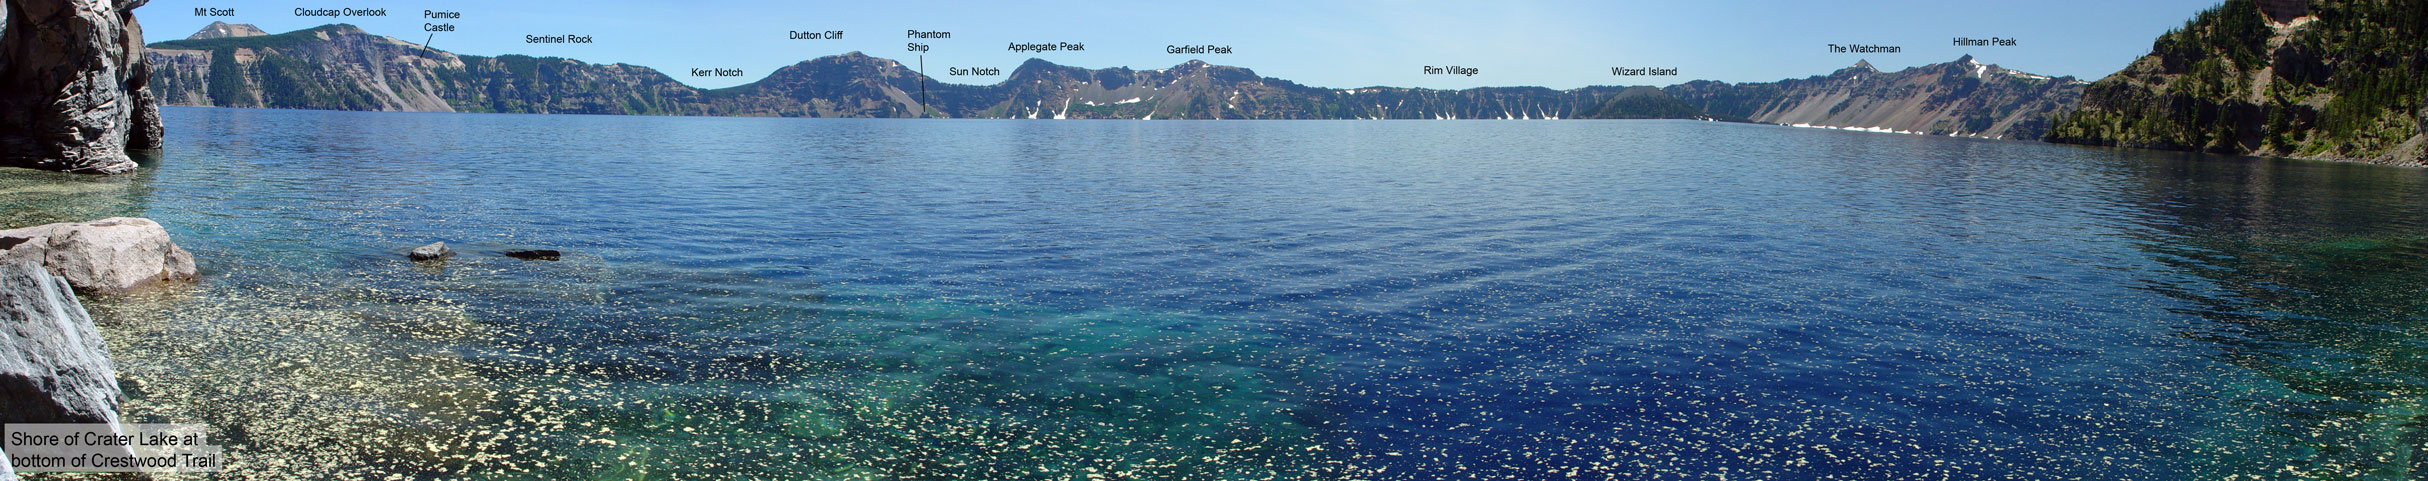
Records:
x=104, y=257
x=434, y=251
x=72, y=86
x=53, y=366
x=535, y=254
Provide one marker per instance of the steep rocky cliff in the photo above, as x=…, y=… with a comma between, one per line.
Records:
x=340, y=67
x=2326, y=79
x=72, y=86
x=1964, y=97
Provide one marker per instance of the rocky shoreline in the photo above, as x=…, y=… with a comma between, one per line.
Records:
x=74, y=97
x=54, y=367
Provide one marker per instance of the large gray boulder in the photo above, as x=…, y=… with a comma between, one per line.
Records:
x=53, y=366
x=105, y=257
x=72, y=73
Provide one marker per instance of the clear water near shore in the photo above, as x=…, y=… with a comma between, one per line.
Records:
x=872, y=299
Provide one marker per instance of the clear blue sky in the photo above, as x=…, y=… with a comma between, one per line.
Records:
x=1559, y=44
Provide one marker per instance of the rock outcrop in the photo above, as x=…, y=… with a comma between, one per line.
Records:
x=2322, y=79
x=105, y=257
x=72, y=79
x=53, y=365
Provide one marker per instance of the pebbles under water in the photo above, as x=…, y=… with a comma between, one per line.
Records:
x=820, y=299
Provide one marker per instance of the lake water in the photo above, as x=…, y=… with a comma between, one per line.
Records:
x=909, y=299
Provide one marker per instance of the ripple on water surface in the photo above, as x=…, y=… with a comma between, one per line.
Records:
x=784, y=298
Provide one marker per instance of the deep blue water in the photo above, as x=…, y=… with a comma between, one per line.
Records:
x=905, y=299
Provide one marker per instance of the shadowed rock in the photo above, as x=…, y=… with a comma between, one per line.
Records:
x=104, y=257
x=72, y=86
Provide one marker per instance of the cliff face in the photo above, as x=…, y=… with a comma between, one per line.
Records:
x=339, y=67
x=72, y=86
x=1964, y=97
x=2338, y=80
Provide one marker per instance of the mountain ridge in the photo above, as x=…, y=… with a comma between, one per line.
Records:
x=225, y=30
x=341, y=67
x=1964, y=97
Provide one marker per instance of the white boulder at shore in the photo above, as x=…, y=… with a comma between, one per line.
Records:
x=104, y=257
x=53, y=365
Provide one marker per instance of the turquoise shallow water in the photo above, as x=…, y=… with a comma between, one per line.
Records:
x=857, y=299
